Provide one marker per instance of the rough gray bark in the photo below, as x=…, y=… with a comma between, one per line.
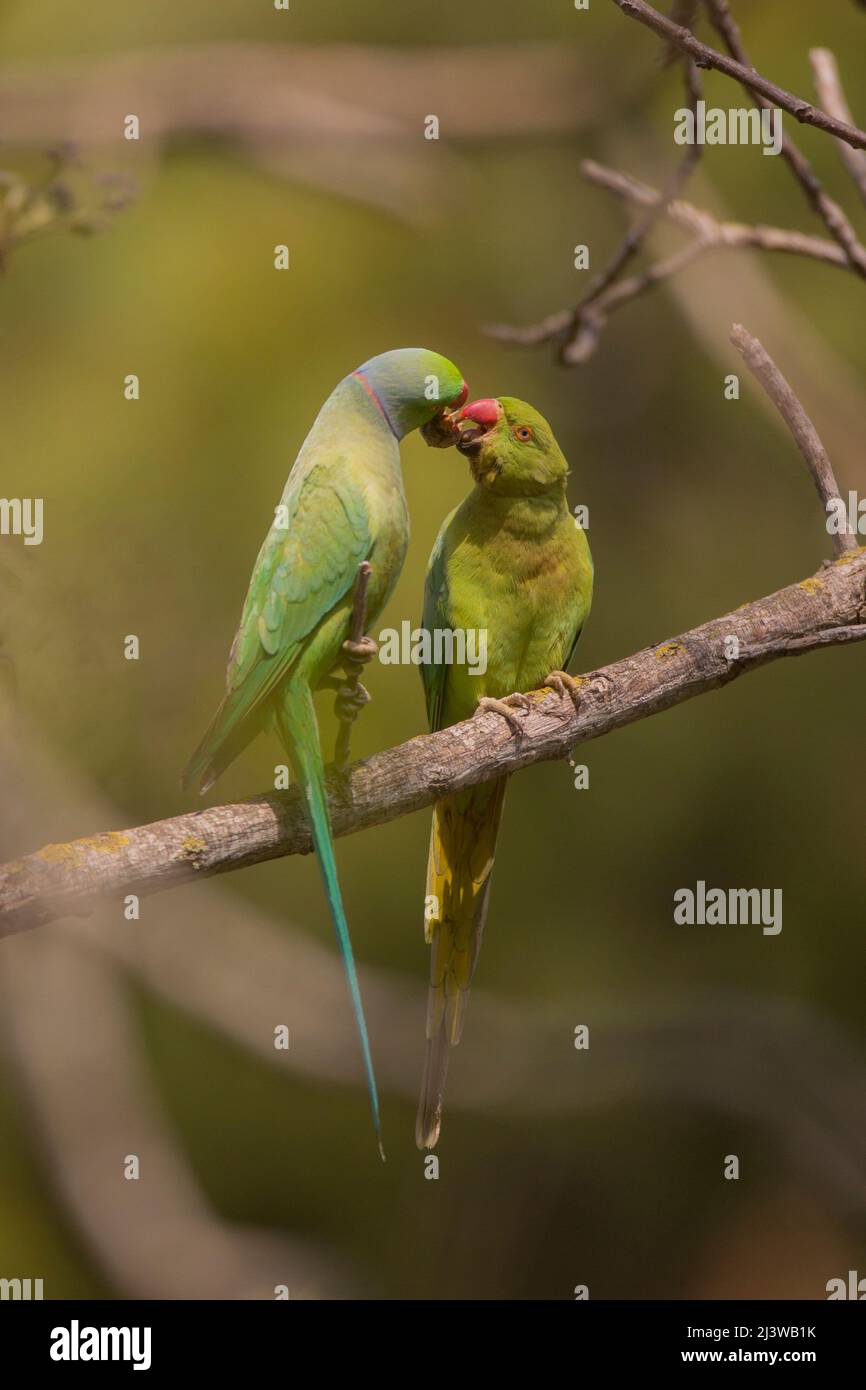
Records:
x=829, y=608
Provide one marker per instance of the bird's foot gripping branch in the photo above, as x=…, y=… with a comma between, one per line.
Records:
x=826, y=609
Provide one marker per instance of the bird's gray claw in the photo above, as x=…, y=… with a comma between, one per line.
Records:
x=350, y=700
x=361, y=651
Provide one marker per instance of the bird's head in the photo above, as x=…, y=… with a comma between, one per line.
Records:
x=510, y=447
x=412, y=386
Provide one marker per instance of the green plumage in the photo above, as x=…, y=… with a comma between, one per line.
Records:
x=509, y=561
x=343, y=503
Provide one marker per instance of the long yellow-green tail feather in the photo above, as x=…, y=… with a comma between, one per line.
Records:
x=459, y=869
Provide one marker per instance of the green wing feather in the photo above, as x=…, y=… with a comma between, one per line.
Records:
x=303, y=569
x=435, y=615
x=577, y=616
x=465, y=826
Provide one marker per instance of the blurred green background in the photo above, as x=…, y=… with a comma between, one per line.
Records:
x=154, y=511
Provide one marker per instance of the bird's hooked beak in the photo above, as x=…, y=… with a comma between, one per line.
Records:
x=441, y=431
x=480, y=418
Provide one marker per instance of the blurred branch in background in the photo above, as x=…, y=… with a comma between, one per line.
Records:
x=831, y=214
x=828, y=85
x=69, y=994
x=578, y=330
x=707, y=234
x=703, y=297
x=591, y=313
x=85, y=1079
x=76, y=1053
x=826, y=609
x=341, y=117
x=62, y=200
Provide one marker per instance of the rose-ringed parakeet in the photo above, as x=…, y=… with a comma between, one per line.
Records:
x=510, y=560
x=343, y=505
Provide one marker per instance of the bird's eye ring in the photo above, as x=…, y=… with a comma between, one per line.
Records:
x=522, y=432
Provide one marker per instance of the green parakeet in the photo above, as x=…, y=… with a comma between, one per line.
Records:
x=343, y=504
x=509, y=561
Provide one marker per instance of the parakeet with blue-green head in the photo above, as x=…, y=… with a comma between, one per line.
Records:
x=343, y=505
x=510, y=561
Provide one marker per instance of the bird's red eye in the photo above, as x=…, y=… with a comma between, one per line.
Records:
x=522, y=432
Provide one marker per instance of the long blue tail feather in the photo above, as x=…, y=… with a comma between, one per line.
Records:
x=296, y=723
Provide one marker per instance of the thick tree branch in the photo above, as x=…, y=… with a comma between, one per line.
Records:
x=827, y=609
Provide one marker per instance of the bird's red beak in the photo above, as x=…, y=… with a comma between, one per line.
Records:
x=479, y=417
x=484, y=412
x=460, y=398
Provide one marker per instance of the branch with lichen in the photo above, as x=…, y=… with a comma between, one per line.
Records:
x=827, y=609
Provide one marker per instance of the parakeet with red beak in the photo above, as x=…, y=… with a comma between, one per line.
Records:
x=343, y=505
x=510, y=560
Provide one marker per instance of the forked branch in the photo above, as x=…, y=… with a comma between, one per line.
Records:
x=578, y=330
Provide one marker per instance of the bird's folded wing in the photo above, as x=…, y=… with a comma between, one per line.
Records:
x=435, y=615
x=303, y=570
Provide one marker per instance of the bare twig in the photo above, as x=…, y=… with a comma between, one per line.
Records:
x=594, y=319
x=828, y=85
x=722, y=19
x=805, y=435
x=826, y=609
x=533, y=334
x=709, y=230
x=708, y=234
x=705, y=57
x=832, y=215
x=586, y=323
x=579, y=330
x=684, y=13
